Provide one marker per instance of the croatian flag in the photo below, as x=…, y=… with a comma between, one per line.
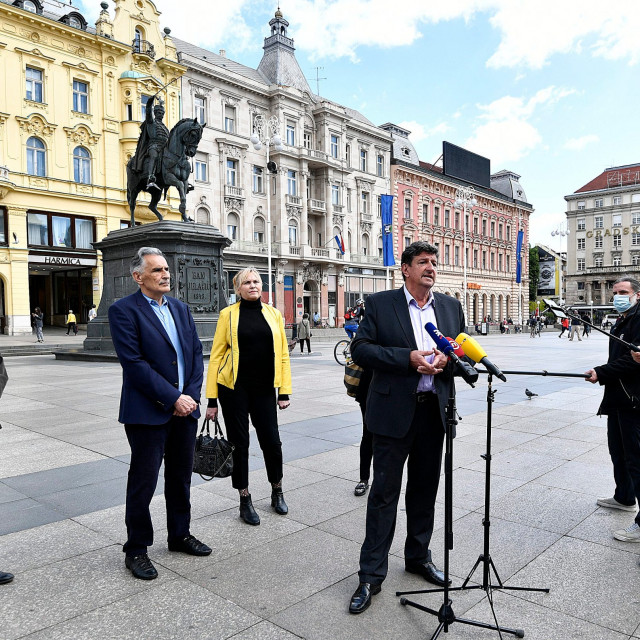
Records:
x=340, y=243
x=386, y=203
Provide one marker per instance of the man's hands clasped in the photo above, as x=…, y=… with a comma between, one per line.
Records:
x=184, y=406
x=418, y=361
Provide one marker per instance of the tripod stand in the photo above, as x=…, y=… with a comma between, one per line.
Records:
x=445, y=614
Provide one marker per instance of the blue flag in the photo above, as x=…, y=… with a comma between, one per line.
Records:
x=387, y=230
x=519, y=256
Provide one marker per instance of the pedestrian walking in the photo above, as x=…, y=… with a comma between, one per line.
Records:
x=37, y=317
x=93, y=314
x=575, y=328
x=564, y=325
x=72, y=323
x=304, y=333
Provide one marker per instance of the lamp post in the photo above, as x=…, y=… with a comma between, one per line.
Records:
x=267, y=132
x=562, y=230
x=465, y=196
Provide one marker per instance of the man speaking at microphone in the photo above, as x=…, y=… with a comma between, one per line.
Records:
x=406, y=414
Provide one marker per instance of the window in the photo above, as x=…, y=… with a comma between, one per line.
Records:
x=306, y=140
x=81, y=166
x=425, y=213
x=28, y=5
x=380, y=166
x=257, y=179
x=580, y=264
x=232, y=172
x=74, y=22
x=232, y=226
x=84, y=233
x=200, y=109
x=617, y=242
x=365, y=202
x=499, y=262
x=456, y=217
x=36, y=159
x=407, y=242
x=617, y=261
x=37, y=229
x=635, y=260
x=363, y=160
x=335, y=194
x=229, y=119
x=581, y=224
x=635, y=217
x=348, y=199
x=3, y=227
x=456, y=255
x=581, y=244
x=475, y=258
x=347, y=153
x=635, y=239
x=581, y=205
x=80, y=96
x=292, y=188
x=291, y=134
x=475, y=225
x=500, y=231
x=143, y=106
x=598, y=203
x=436, y=216
x=580, y=286
x=293, y=233
x=201, y=171
x=508, y=233
x=484, y=227
x=365, y=244
x=493, y=229
x=407, y=207
x=598, y=263
x=493, y=261
x=596, y=285
x=34, y=84
x=508, y=262
x=484, y=259
x=617, y=220
x=447, y=218
x=334, y=146
x=446, y=254
x=617, y=200
x=258, y=229
x=61, y=231
x=599, y=242
x=598, y=222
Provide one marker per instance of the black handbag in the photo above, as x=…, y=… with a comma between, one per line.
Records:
x=213, y=454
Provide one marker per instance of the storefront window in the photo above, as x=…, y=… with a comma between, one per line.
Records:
x=84, y=234
x=38, y=232
x=61, y=229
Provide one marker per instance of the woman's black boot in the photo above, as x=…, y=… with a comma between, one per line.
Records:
x=247, y=512
x=278, y=503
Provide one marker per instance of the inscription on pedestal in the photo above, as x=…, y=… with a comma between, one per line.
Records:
x=198, y=285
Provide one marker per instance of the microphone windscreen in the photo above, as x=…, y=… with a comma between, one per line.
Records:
x=470, y=347
x=442, y=344
x=457, y=349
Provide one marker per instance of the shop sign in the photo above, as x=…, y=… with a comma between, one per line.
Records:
x=63, y=261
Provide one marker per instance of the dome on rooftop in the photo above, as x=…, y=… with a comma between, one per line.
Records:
x=132, y=74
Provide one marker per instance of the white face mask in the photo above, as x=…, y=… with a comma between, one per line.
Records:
x=623, y=303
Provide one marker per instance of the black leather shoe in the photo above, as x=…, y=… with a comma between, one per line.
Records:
x=278, y=503
x=191, y=546
x=428, y=571
x=361, y=488
x=361, y=598
x=5, y=577
x=141, y=567
x=247, y=512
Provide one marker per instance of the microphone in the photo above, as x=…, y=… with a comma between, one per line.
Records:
x=468, y=373
x=457, y=349
x=474, y=351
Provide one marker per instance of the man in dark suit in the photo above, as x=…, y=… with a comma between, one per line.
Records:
x=162, y=368
x=411, y=384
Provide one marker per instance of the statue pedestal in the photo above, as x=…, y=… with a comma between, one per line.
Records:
x=194, y=254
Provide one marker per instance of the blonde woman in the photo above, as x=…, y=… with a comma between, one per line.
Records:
x=249, y=365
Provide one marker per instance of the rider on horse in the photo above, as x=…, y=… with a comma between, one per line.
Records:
x=151, y=143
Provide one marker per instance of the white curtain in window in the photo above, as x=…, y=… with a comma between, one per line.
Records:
x=84, y=234
x=61, y=228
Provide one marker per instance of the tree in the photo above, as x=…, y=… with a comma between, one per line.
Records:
x=534, y=272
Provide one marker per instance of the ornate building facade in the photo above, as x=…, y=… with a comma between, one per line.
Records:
x=325, y=181
x=71, y=101
x=425, y=209
x=603, y=219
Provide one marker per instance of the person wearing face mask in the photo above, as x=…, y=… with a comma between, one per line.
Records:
x=621, y=404
x=249, y=364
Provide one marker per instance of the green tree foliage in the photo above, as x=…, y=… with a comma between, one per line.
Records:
x=534, y=272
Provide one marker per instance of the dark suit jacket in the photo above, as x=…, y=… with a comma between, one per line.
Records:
x=149, y=362
x=383, y=343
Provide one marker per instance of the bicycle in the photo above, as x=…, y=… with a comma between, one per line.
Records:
x=342, y=351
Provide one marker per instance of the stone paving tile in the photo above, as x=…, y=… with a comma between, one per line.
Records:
x=24, y=514
x=265, y=631
x=501, y=438
x=12, y=434
x=585, y=431
x=39, y=546
x=584, y=477
x=599, y=528
x=43, y=597
x=524, y=465
x=178, y=610
x=8, y=494
x=557, y=447
x=332, y=462
x=281, y=573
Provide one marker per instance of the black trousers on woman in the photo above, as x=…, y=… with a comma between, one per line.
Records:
x=238, y=405
x=302, y=341
x=366, y=447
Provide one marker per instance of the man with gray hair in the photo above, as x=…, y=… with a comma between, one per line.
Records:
x=161, y=356
x=621, y=403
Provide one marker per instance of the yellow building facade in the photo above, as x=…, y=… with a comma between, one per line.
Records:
x=71, y=100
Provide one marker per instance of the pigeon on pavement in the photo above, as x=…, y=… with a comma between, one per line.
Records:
x=530, y=394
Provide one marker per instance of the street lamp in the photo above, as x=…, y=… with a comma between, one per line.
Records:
x=267, y=133
x=562, y=231
x=465, y=196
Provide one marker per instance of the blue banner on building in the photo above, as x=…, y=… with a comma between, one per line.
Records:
x=519, y=256
x=387, y=230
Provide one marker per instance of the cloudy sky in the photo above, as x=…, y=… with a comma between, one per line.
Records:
x=546, y=88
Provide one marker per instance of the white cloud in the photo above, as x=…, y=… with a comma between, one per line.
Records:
x=577, y=144
x=420, y=132
x=505, y=132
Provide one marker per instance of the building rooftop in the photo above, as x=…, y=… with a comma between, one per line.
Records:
x=614, y=177
x=54, y=10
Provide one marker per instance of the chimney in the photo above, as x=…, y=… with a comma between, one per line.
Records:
x=223, y=53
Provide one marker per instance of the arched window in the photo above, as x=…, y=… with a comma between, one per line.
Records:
x=232, y=226
x=28, y=5
x=138, y=37
x=365, y=244
x=293, y=233
x=36, y=157
x=202, y=216
x=380, y=251
x=258, y=229
x=75, y=22
x=81, y=166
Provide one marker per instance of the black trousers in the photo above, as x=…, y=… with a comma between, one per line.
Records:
x=423, y=447
x=238, y=405
x=366, y=447
x=623, y=435
x=173, y=441
x=302, y=341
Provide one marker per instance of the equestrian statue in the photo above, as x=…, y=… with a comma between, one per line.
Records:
x=162, y=159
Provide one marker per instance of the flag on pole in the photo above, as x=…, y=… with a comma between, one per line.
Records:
x=386, y=203
x=340, y=243
x=519, y=256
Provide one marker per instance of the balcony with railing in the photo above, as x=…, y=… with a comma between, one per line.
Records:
x=364, y=259
x=143, y=47
x=320, y=252
x=294, y=250
x=233, y=192
x=246, y=246
x=316, y=206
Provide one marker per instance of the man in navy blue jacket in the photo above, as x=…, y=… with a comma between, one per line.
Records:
x=162, y=368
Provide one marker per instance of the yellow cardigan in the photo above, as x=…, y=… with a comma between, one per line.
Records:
x=223, y=362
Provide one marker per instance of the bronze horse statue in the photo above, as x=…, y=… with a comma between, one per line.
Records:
x=181, y=145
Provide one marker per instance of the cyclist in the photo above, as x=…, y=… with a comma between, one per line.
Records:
x=353, y=317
